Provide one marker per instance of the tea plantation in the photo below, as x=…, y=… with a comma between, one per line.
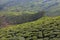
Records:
x=46, y=28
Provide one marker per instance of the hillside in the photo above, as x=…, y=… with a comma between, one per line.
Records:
x=46, y=28
x=50, y=6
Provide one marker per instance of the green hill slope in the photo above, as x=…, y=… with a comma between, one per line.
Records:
x=52, y=7
x=46, y=28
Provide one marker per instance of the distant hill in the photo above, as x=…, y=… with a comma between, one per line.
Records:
x=50, y=6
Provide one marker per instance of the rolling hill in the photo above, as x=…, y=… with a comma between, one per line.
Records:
x=50, y=6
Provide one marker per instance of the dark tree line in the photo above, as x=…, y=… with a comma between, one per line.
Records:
x=13, y=19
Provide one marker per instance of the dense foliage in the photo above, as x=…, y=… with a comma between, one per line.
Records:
x=46, y=28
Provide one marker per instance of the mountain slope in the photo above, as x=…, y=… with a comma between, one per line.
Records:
x=50, y=6
x=45, y=28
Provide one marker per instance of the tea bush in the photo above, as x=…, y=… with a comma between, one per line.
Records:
x=46, y=28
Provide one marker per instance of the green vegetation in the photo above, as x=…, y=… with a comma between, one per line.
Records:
x=46, y=28
x=27, y=20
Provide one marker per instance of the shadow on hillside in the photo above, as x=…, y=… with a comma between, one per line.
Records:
x=13, y=20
